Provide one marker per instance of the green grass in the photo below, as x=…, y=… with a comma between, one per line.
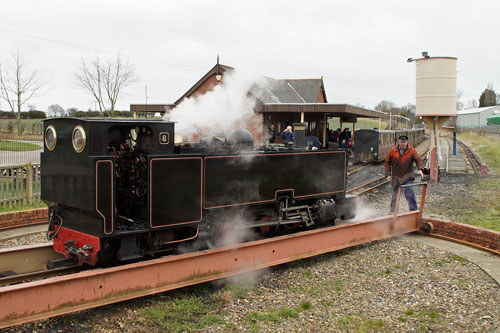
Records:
x=306, y=305
x=487, y=214
x=23, y=204
x=337, y=285
x=442, y=262
x=362, y=123
x=238, y=290
x=289, y=312
x=30, y=128
x=355, y=324
x=270, y=316
x=424, y=318
x=181, y=314
x=18, y=146
x=308, y=273
x=486, y=146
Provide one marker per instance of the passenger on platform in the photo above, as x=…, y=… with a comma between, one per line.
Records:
x=399, y=170
x=313, y=142
x=336, y=135
x=287, y=135
x=345, y=135
x=271, y=134
x=330, y=136
x=343, y=144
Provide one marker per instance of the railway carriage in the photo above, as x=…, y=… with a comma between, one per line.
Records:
x=120, y=190
x=372, y=145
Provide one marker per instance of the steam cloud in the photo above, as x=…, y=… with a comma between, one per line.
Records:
x=364, y=212
x=226, y=107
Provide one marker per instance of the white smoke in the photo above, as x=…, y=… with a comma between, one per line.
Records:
x=364, y=212
x=226, y=107
x=234, y=230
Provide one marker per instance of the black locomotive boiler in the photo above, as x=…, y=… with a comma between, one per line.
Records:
x=372, y=145
x=119, y=190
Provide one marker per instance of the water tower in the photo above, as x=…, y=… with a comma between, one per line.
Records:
x=436, y=94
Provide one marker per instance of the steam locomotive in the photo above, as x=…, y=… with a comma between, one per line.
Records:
x=372, y=145
x=120, y=190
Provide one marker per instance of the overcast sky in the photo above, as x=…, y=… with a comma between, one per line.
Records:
x=359, y=47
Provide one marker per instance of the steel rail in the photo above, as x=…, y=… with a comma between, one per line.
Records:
x=366, y=184
x=373, y=187
x=354, y=169
x=88, y=289
x=27, y=259
x=471, y=157
x=28, y=263
x=27, y=277
x=373, y=181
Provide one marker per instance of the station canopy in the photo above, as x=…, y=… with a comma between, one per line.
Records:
x=331, y=110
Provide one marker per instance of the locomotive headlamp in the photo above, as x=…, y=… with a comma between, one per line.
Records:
x=79, y=139
x=50, y=137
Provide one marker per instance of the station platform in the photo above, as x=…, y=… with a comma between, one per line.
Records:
x=449, y=162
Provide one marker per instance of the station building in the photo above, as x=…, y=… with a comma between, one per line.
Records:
x=285, y=102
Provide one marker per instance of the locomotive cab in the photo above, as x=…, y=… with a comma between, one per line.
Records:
x=94, y=179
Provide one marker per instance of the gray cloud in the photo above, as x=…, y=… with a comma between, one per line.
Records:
x=360, y=47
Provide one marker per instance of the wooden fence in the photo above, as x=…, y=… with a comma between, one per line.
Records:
x=19, y=185
x=485, y=130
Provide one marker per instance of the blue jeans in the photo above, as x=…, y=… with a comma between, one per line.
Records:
x=409, y=195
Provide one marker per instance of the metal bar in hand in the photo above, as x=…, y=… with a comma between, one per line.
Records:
x=422, y=201
x=414, y=184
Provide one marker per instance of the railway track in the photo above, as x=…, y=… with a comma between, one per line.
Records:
x=471, y=159
x=357, y=168
x=368, y=186
x=28, y=263
x=374, y=183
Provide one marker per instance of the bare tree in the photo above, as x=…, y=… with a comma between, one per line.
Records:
x=460, y=104
x=71, y=112
x=389, y=108
x=18, y=85
x=472, y=104
x=55, y=110
x=105, y=80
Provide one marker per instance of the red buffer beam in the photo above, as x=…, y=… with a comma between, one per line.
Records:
x=56, y=296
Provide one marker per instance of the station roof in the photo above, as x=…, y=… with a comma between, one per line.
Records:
x=277, y=95
x=332, y=110
x=151, y=107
